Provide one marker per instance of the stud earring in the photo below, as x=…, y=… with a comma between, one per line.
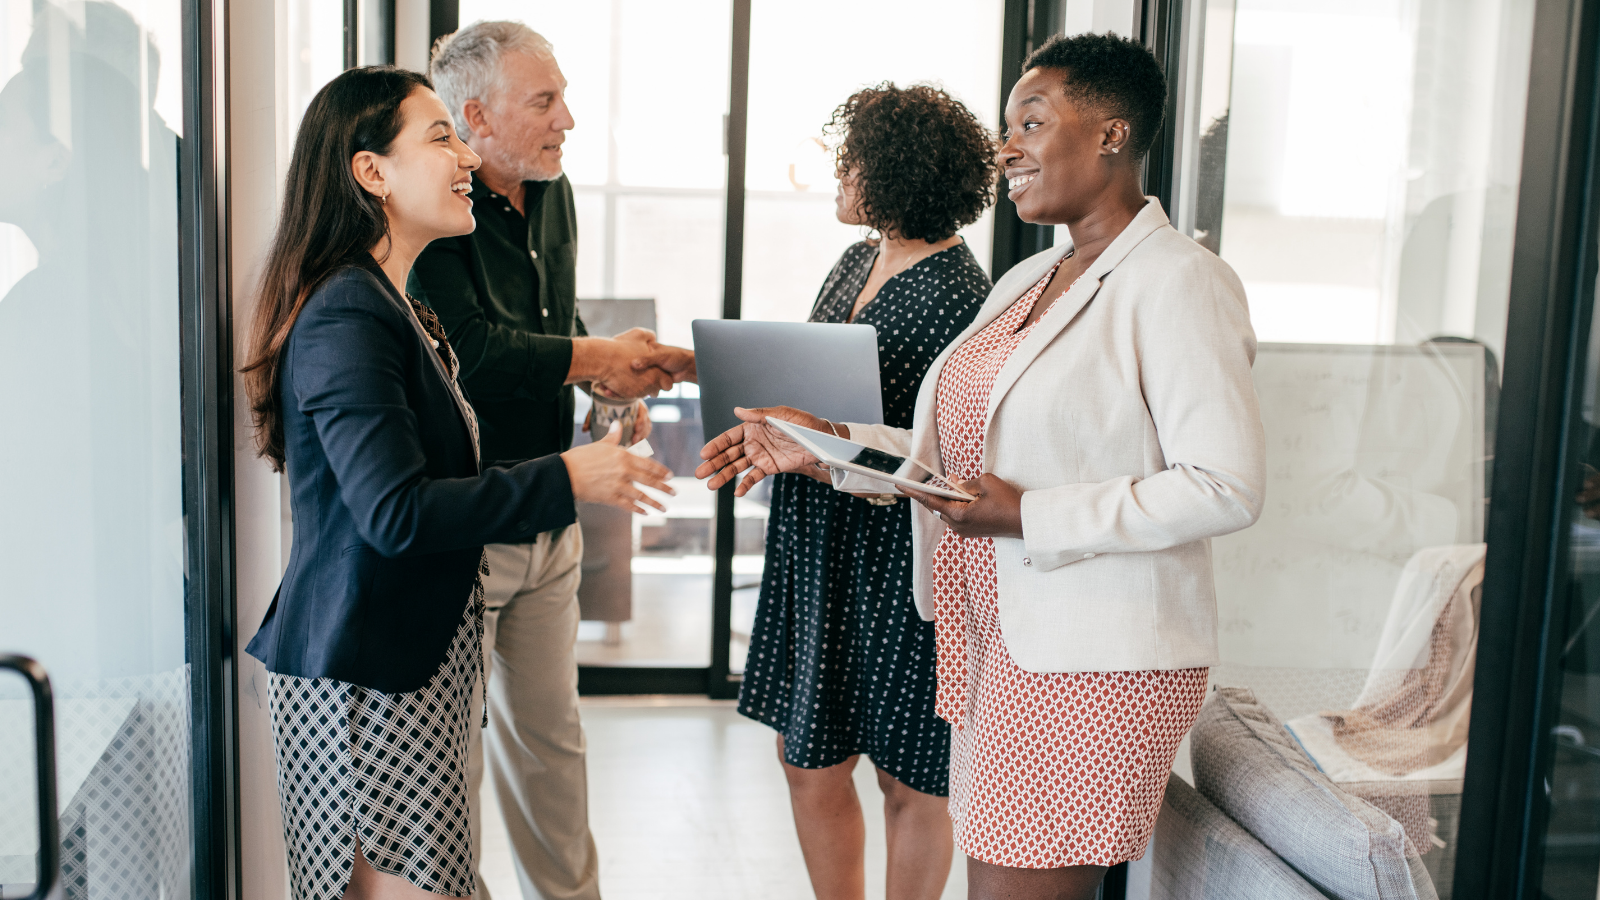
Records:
x=1116, y=149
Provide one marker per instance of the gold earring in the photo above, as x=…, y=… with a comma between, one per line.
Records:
x=384, y=199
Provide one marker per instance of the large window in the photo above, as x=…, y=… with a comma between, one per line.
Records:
x=805, y=60
x=92, y=540
x=648, y=168
x=647, y=83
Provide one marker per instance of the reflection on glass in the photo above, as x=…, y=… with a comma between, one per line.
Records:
x=91, y=543
x=1341, y=237
x=1377, y=272
x=647, y=168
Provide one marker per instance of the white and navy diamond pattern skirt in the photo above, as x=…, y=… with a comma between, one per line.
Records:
x=387, y=769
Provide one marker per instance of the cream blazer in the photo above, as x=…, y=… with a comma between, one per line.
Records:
x=1128, y=419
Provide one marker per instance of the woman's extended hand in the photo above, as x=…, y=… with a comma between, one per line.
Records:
x=997, y=511
x=757, y=447
x=604, y=472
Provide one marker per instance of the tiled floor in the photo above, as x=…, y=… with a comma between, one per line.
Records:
x=688, y=803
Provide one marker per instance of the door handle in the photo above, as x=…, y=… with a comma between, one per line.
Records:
x=44, y=743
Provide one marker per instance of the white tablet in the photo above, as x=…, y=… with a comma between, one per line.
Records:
x=841, y=453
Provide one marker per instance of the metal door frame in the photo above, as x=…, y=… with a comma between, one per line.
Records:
x=207, y=412
x=1504, y=806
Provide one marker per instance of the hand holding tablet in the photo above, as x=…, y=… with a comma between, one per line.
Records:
x=842, y=453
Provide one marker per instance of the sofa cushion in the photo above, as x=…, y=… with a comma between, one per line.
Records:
x=1247, y=764
x=1199, y=854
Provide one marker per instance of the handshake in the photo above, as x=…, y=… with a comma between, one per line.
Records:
x=629, y=366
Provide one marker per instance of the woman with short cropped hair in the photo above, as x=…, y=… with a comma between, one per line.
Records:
x=1100, y=409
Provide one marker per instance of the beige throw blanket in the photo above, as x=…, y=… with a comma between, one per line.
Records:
x=1413, y=711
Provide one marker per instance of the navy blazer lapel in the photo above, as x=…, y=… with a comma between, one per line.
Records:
x=1149, y=220
x=469, y=420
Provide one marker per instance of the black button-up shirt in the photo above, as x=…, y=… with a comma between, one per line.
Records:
x=507, y=297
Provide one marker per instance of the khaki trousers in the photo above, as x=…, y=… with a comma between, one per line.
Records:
x=535, y=745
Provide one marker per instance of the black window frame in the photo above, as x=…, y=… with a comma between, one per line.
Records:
x=1504, y=804
x=206, y=362
x=1553, y=277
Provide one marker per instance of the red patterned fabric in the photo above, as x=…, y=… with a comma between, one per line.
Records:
x=1046, y=769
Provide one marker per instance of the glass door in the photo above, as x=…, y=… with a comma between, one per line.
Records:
x=93, y=540
x=647, y=83
x=803, y=65
x=1357, y=165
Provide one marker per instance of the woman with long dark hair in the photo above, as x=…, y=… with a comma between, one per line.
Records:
x=374, y=638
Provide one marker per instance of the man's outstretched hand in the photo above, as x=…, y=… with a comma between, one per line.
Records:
x=675, y=361
x=607, y=364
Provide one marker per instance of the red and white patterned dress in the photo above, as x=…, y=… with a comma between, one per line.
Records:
x=1046, y=769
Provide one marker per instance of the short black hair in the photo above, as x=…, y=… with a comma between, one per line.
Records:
x=1114, y=76
x=927, y=165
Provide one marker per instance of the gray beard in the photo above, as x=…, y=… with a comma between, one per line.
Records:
x=535, y=174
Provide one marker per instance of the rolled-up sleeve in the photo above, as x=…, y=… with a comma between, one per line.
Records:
x=1195, y=354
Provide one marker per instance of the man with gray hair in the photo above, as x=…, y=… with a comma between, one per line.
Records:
x=506, y=295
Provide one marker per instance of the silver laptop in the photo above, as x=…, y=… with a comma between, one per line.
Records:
x=827, y=370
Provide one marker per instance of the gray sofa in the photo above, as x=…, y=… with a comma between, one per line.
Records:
x=1262, y=821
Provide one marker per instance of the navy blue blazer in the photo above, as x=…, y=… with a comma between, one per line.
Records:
x=391, y=510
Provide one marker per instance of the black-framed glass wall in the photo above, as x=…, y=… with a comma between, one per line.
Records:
x=1364, y=262
x=1379, y=282
x=115, y=383
x=1531, y=814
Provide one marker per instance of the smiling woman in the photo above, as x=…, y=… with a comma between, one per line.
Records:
x=375, y=639
x=1101, y=408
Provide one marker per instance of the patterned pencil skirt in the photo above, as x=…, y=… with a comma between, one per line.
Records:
x=389, y=770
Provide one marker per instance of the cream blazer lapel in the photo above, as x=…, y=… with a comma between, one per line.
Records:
x=1012, y=285
x=1149, y=219
x=1015, y=283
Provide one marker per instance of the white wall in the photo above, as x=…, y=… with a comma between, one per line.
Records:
x=256, y=94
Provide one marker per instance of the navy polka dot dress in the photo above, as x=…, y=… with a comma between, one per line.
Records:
x=840, y=663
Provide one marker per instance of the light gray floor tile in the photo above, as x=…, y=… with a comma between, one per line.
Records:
x=688, y=802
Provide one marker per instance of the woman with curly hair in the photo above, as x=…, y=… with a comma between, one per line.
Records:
x=840, y=663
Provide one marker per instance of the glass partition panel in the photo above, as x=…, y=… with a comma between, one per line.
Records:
x=803, y=65
x=91, y=542
x=1358, y=168
x=647, y=83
